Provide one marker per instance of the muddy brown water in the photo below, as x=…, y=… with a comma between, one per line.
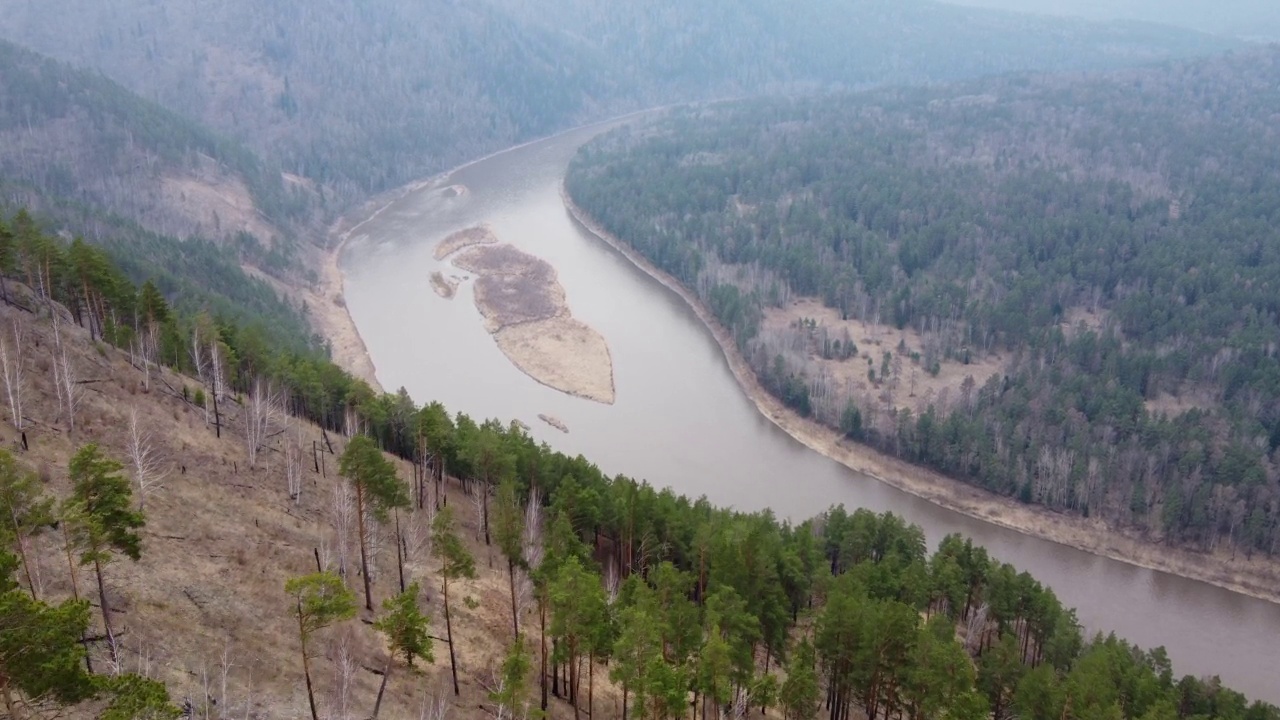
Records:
x=680, y=419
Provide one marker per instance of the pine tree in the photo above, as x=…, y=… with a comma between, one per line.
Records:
x=455, y=563
x=578, y=607
x=40, y=651
x=800, y=694
x=513, y=679
x=23, y=510
x=406, y=629
x=377, y=490
x=319, y=600
x=102, y=519
x=510, y=532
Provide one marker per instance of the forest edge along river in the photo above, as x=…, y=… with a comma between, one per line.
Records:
x=681, y=418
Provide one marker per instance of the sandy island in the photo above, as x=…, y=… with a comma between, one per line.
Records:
x=476, y=235
x=1254, y=577
x=524, y=308
x=443, y=286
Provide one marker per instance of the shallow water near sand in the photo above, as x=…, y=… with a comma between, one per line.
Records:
x=680, y=419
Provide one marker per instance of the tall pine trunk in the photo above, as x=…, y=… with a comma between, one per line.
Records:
x=106, y=612
x=364, y=554
x=542, y=626
x=511, y=580
x=306, y=665
x=448, y=626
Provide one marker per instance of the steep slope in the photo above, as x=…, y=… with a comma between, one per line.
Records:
x=368, y=95
x=81, y=138
x=1060, y=289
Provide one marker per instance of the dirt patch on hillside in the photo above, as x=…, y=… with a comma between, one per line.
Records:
x=910, y=382
x=219, y=205
x=524, y=307
x=452, y=243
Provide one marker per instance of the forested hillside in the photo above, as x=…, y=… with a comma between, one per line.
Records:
x=252, y=552
x=363, y=96
x=170, y=200
x=1078, y=275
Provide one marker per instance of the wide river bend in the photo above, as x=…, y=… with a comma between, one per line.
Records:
x=680, y=419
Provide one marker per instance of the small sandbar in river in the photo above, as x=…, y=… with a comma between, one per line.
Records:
x=524, y=307
x=467, y=237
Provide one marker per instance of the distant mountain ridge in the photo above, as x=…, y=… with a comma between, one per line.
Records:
x=366, y=96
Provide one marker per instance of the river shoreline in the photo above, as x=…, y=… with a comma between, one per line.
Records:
x=1254, y=578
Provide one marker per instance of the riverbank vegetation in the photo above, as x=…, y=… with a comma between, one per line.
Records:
x=656, y=601
x=1104, y=239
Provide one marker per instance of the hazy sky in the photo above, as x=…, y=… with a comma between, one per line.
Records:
x=1258, y=19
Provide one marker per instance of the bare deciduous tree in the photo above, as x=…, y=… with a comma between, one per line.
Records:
x=293, y=465
x=342, y=517
x=261, y=418
x=148, y=467
x=13, y=368
x=64, y=379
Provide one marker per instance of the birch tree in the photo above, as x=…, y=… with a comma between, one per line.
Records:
x=144, y=459
x=13, y=366
x=262, y=416
x=64, y=378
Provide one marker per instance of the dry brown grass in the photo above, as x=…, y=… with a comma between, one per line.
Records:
x=477, y=235
x=915, y=388
x=220, y=542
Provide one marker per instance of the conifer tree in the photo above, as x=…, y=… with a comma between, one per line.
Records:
x=23, y=510
x=455, y=563
x=377, y=490
x=800, y=694
x=319, y=600
x=40, y=651
x=510, y=531
x=513, y=680
x=102, y=519
x=578, y=607
x=406, y=629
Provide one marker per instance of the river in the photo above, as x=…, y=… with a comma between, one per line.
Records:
x=680, y=419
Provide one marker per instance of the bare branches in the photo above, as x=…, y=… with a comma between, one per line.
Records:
x=13, y=370
x=147, y=465
x=261, y=417
x=342, y=508
x=293, y=465
x=64, y=379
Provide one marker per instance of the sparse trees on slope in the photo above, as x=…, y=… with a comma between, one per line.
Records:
x=378, y=490
x=455, y=563
x=406, y=629
x=319, y=600
x=102, y=519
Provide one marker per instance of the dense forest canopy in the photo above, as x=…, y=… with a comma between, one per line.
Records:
x=364, y=96
x=1111, y=237
x=723, y=608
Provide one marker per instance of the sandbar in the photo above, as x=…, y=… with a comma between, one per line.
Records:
x=467, y=237
x=444, y=287
x=525, y=309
